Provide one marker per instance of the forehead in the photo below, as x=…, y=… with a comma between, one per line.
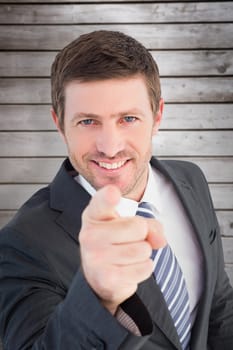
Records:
x=107, y=96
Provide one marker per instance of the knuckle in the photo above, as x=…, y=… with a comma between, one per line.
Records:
x=147, y=249
x=141, y=225
x=149, y=267
x=141, y=250
x=146, y=269
x=85, y=237
x=130, y=251
x=84, y=216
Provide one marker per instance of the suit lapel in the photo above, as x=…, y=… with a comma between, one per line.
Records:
x=69, y=198
x=152, y=297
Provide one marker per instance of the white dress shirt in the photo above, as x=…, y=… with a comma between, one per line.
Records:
x=177, y=228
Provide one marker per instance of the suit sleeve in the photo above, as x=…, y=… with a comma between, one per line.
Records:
x=221, y=316
x=38, y=313
x=220, y=332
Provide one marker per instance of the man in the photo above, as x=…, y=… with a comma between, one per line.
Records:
x=79, y=270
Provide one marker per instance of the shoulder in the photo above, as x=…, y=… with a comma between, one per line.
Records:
x=37, y=203
x=179, y=169
x=184, y=174
x=30, y=222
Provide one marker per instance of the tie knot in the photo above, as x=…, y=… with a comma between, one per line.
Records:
x=146, y=209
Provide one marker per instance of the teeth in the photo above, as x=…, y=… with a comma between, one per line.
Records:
x=111, y=166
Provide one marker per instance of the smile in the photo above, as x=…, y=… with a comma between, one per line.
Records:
x=111, y=166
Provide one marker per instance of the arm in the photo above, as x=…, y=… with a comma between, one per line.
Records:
x=221, y=316
x=38, y=313
x=220, y=332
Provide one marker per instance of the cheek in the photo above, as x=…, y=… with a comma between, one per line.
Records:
x=79, y=143
x=142, y=138
x=140, y=149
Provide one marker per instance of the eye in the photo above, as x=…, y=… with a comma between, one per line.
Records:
x=129, y=119
x=87, y=122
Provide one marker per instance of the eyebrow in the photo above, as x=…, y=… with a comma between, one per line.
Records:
x=81, y=115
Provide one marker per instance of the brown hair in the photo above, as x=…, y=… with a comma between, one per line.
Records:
x=102, y=55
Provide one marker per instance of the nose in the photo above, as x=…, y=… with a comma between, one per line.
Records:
x=109, y=141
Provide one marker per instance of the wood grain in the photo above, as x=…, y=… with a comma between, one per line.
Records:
x=87, y=1
x=153, y=36
x=222, y=195
x=225, y=219
x=31, y=144
x=117, y=13
x=229, y=270
x=228, y=249
x=193, y=143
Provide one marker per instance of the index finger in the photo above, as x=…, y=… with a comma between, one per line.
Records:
x=103, y=204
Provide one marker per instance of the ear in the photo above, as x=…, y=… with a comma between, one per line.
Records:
x=158, y=117
x=56, y=122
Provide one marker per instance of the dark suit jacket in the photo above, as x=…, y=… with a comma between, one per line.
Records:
x=46, y=303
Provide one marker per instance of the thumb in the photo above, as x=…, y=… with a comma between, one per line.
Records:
x=103, y=203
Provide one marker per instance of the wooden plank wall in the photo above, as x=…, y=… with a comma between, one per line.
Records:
x=192, y=43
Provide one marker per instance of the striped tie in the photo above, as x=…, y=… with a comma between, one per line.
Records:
x=171, y=281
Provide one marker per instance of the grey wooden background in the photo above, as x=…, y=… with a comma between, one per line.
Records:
x=192, y=43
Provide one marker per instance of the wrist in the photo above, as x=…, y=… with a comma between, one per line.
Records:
x=110, y=306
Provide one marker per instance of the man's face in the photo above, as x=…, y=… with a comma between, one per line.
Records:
x=108, y=129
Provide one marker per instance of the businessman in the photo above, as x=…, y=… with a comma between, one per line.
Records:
x=121, y=250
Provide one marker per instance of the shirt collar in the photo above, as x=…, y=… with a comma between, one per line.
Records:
x=153, y=188
x=85, y=184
